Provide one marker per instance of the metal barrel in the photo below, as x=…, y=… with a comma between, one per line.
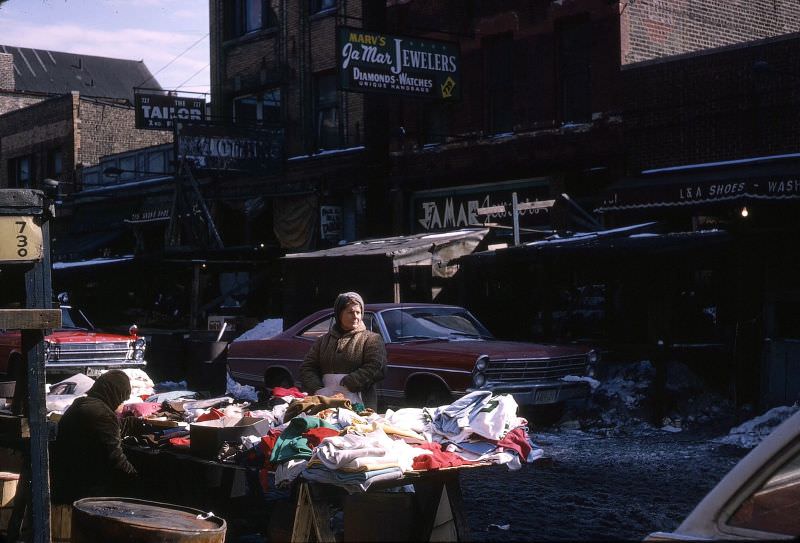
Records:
x=129, y=520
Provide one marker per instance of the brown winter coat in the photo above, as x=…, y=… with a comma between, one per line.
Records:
x=359, y=353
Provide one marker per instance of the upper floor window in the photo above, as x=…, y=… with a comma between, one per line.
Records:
x=245, y=16
x=321, y=5
x=326, y=112
x=574, y=75
x=259, y=108
x=55, y=165
x=20, y=172
x=499, y=77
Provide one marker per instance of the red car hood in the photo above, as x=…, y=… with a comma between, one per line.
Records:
x=83, y=336
x=494, y=348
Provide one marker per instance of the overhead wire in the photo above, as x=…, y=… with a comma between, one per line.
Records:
x=193, y=75
x=174, y=59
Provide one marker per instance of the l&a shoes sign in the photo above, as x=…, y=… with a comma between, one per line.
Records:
x=405, y=66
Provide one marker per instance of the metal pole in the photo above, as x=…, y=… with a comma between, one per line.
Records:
x=515, y=213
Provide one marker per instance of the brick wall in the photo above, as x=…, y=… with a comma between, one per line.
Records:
x=7, y=71
x=658, y=28
x=9, y=101
x=288, y=56
x=109, y=128
x=81, y=129
x=714, y=106
x=34, y=131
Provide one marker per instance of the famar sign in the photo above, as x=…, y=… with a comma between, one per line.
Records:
x=373, y=62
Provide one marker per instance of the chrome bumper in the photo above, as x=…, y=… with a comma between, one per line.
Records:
x=541, y=393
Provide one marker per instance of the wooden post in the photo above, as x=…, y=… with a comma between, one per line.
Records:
x=29, y=243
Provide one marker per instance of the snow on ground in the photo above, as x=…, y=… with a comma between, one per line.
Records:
x=751, y=433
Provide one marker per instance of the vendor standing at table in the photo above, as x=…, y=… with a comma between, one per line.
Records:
x=347, y=348
x=88, y=459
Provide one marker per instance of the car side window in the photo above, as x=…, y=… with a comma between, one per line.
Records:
x=775, y=506
x=319, y=328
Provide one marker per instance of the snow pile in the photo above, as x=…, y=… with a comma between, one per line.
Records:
x=263, y=330
x=751, y=433
x=623, y=402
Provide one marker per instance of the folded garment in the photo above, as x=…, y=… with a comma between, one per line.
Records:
x=141, y=409
x=312, y=405
x=352, y=482
x=387, y=429
x=288, y=471
x=315, y=435
x=291, y=443
x=171, y=395
x=281, y=392
x=179, y=442
x=211, y=414
x=438, y=460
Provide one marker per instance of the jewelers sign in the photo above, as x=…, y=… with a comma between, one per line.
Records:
x=375, y=62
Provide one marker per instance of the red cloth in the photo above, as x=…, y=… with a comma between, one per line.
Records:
x=439, y=459
x=213, y=414
x=179, y=442
x=315, y=435
x=517, y=440
x=280, y=392
x=268, y=442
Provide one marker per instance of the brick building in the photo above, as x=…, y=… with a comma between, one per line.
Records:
x=61, y=111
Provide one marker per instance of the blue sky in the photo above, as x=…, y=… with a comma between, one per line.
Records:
x=155, y=31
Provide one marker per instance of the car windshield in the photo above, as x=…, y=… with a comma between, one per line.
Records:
x=407, y=324
x=74, y=319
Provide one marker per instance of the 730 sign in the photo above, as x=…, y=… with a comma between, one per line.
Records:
x=20, y=239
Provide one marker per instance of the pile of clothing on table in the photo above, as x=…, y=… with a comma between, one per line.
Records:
x=326, y=438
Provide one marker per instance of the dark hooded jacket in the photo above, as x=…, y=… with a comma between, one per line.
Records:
x=359, y=353
x=88, y=459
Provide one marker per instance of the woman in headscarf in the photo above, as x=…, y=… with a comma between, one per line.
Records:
x=348, y=348
x=88, y=459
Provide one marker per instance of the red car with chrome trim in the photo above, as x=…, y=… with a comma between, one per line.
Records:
x=435, y=353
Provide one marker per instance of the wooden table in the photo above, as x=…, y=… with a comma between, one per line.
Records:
x=434, y=511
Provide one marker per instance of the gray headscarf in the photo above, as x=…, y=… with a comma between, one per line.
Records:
x=342, y=300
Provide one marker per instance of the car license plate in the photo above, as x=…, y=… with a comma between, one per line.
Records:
x=94, y=372
x=546, y=396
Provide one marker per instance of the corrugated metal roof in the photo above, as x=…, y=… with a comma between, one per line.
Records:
x=397, y=246
x=56, y=72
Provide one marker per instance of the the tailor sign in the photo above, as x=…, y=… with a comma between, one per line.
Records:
x=377, y=62
x=209, y=146
x=159, y=111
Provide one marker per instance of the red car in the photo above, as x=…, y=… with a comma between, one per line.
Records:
x=75, y=348
x=435, y=354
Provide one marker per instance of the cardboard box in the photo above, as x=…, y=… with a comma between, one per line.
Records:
x=8, y=487
x=206, y=438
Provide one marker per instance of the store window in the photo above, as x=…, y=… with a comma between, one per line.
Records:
x=321, y=5
x=437, y=122
x=261, y=108
x=499, y=77
x=326, y=112
x=574, y=69
x=19, y=172
x=55, y=163
x=246, y=16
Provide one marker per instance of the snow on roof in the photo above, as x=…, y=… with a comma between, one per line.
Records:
x=749, y=160
x=582, y=236
x=327, y=153
x=93, y=262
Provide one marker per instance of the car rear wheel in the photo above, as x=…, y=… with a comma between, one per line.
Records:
x=15, y=366
x=428, y=394
x=277, y=378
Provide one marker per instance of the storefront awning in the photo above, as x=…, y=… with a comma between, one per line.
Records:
x=736, y=182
